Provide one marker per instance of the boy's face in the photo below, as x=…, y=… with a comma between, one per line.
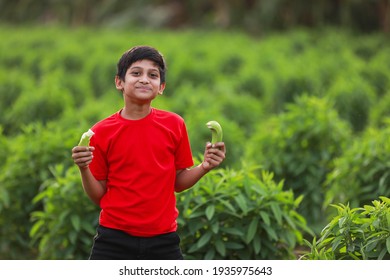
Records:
x=141, y=83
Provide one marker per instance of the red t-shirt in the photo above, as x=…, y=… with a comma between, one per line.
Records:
x=139, y=159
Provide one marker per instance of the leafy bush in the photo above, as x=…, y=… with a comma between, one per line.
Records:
x=353, y=100
x=229, y=215
x=361, y=173
x=64, y=227
x=3, y=147
x=381, y=114
x=27, y=165
x=355, y=233
x=377, y=73
x=299, y=146
x=10, y=90
x=235, y=215
x=241, y=81
x=43, y=104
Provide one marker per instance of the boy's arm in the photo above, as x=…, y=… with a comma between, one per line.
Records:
x=186, y=178
x=82, y=157
x=213, y=157
x=93, y=188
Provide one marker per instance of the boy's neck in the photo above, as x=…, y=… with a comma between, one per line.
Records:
x=136, y=112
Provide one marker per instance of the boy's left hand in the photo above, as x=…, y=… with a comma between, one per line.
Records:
x=214, y=155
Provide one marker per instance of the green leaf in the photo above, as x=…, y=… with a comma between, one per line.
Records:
x=220, y=246
x=264, y=215
x=353, y=256
x=75, y=220
x=36, y=227
x=271, y=232
x=193, y=248
x=88, y=228
x=388, y=218
x=210, y=254
x=215, y=227
x=233, y=231
x=73, y=237
x=240, y=199
x=210, y=210
x=388, y=244
x=250, y=234
x=194, y=226
x=382, y=254
x=234, y=245
x=204, y=239
x=298, y=200
x=5, y=199
x=351, y=247
x=385, y=199
x=289, y=236
x=336, y=243
x=277, y=212
x=342, y=221
x=257, y=244
x=196, y=214
x=289, y=220
x=64, y=216
x=227, y=205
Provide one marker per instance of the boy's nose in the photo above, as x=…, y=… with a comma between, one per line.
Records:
x=143, y=79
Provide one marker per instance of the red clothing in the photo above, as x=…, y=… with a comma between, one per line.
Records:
x=139, y=159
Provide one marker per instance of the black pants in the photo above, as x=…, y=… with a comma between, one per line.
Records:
x=112, y=244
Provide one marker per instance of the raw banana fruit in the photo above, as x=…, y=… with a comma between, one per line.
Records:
x=216, y=131
x=84, y=141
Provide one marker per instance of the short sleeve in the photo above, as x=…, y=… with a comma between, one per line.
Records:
x=183, y=155
x=98, y=166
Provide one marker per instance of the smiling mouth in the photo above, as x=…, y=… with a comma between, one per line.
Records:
x=144, y=88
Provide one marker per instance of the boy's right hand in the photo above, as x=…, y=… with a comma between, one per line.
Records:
x=82, y=156
x=214, y=155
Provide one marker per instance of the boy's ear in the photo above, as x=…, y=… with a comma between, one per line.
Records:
x=161, y=90
x=118, y=83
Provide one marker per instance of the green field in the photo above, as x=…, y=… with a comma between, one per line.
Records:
x=305, y=117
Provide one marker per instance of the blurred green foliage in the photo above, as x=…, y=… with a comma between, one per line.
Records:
x=308, y=107
x=256, y=16
x=299, y=146
x=362, y=171
x=26, y=167
x=63, y=226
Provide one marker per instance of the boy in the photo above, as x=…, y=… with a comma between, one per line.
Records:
x=137, y=159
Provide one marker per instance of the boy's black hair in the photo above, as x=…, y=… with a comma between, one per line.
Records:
x=139, y=53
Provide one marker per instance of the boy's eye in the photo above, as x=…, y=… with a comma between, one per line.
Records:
x=135, y=73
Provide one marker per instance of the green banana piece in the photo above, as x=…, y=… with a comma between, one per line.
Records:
x=84, y=141
x=216, y=131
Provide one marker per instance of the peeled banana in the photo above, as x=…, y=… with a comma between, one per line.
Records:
x=84, y=141
x=216, y=131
